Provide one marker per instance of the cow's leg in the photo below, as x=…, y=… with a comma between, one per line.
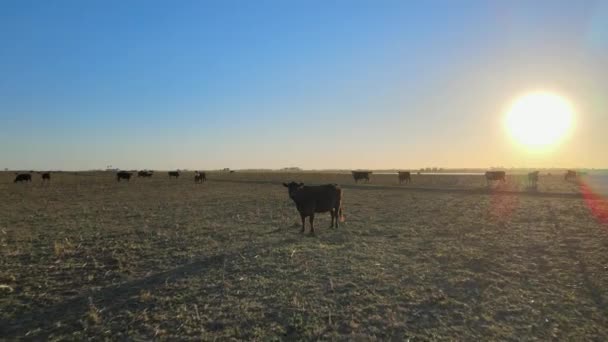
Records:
x=333, y=215
x=303, y=223
x=337, y=215
x=312, y=225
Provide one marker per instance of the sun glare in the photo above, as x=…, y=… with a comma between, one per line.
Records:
x=539, y=120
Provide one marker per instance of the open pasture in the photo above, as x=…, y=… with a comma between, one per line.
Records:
x=88, y=257
x=514, y=182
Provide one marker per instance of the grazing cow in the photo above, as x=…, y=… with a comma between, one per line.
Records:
x=495, y=176
x=316, y=199
x=533, y=178
x=200, y=177
x=570, y=175
x=358, y=175
x=46, y=176
x=23, y=177
x=174, y=174
x=405, y=176
x=123, y=175
x=145, y=174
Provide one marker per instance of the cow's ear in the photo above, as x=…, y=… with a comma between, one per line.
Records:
x=285, y=185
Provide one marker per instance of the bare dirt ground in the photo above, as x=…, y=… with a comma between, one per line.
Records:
x=89, y=258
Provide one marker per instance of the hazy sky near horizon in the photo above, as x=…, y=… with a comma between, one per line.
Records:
x=315, y=84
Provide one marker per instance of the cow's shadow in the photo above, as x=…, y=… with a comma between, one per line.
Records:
x=113, y=297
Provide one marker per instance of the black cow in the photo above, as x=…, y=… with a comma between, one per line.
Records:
x=23, y=177
x=405, y=176
x=200, y=177
x=123, y=175
x=358, y=175
x=145, y=174
x=570, y=175
x=46, y=176
x=174, y=174
x=316, y=199
x=495, y=176
x=533, y=178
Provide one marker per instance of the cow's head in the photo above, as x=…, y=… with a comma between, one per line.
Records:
x=293, y=187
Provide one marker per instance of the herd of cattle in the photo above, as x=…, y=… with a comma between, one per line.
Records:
x=406, y=176
x=200, y=176
x=26, y=177
x=309, y=200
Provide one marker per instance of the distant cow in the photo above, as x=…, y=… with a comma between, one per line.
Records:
x=200, y=177
x=123, y=175
x=23, y=177
x=316, y=199
x=570, y=175
x=405, y=176
x=533, y=178
x=495, y=176
x=46, y=177
x=145, y=174
x=174, y=174
x=358, y=175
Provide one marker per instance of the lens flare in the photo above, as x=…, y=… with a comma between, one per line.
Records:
x=594, y=193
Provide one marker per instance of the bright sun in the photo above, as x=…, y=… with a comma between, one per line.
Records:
x=539, y=120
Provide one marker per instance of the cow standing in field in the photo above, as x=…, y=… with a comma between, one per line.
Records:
x=316, y=199
x=533, y=179
x=145, y=174
x=23, y=177
x=174, y=174
x=570, y=175
x=359, y=175
x=200, y=177
x=495, y=176
x=46, y=177
x=405, y=176
x=123, y=175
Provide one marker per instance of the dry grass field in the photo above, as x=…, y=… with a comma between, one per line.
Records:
x=441, y=259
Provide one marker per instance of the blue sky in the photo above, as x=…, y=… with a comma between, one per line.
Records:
x=315, y=84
